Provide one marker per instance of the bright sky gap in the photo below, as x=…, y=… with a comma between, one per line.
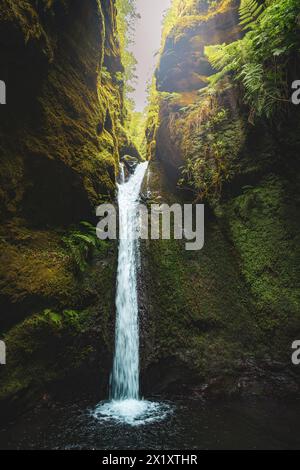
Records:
x=146, y=44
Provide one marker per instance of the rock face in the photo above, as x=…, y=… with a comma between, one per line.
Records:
x=183, y=66
x=184, y=70
x=59, y=130
x=61, y=134
x=227, y=314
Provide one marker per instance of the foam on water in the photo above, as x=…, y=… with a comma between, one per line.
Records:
x=132, y=412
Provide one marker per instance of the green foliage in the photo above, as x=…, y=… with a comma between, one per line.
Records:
x=171, y=17
x=185, y=13
x=71, y=319
x=249, y=12
x=259, y=60
x=261, y=88
x=43, y=348
x=105, y=74
x=226, y=58
x=137, y=130
x=212, y=140
x=185, y=8
x=151, y=123
x=126, y=18
x=81, y=243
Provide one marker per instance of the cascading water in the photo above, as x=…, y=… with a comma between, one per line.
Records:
x=125, y=404
x=125, y=375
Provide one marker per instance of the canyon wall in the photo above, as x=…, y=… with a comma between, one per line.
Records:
x=221, y=320
x=61, y=139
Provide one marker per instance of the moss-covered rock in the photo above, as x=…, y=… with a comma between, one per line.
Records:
x=59, y=130
x=221, y=321
x=60, y=136
x=199, y=309
x=225, y=317
x=264, y=228
x=63, y=319
x=183, y=66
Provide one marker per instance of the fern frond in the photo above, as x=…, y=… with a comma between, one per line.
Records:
x=216, y=55
x=225, y=57
x=249, y=12
x=81, y=243
x=85, y=238
x=252, y=77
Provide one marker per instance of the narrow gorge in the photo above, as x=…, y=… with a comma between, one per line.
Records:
x=86, y=320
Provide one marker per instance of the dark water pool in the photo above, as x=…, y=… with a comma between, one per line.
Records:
x=191, y=425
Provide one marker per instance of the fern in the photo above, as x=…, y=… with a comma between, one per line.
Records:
x=252, y=77
x=224, y=57
x=249, y=13
x=81, y=243
x=216, y=55
x=258, y=61
x=262, y=89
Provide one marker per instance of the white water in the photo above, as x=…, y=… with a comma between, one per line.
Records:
x=125, y=374
x=125, y=405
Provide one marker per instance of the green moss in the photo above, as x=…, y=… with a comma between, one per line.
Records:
x=185, y=16
x=77, y=108
x=212, y=139
x=239, y=297
x=34, y=265
x=201, y=309
x=26, y=18
x=264, y=228
x=38, y=268
x=58, y=162
x=44, y=348
x=56, y=343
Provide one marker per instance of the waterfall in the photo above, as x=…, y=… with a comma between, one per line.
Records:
x=125, y=374
x=125, y=404
x=122, y=173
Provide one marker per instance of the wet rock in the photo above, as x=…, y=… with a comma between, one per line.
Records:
x=130, y=163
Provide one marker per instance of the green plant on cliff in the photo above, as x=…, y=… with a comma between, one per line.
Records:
x=151, y=124
x=186, y=8
x=265, y=231
x=249, y=12
x=136, y=127
x=81, y=243
x=211, y=148
x=260, y=59
x=170, y=18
